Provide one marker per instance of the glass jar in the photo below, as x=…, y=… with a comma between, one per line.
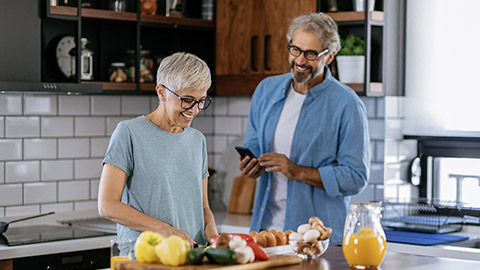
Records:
x=364, y=242
x=117, y=72
x=118, y=5
x=146, y=66
x=86, y=61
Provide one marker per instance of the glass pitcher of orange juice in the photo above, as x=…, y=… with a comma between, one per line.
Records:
x=364, y=242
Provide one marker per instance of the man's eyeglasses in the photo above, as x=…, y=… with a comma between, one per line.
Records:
x=188, y=103
x=308, y=54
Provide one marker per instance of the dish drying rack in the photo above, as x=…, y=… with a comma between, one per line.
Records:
x=423, y=215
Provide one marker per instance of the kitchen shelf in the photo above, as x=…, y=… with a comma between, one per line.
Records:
x=63, y=10
x=113, y=85
x=177, y=21
x=352, y=16
x=108, y=14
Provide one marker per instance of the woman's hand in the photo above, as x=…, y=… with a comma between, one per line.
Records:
x=250, y=168
x=169, y=230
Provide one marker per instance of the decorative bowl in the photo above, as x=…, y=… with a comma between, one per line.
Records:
x=307, y=250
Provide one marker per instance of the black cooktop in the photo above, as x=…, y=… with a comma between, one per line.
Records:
x=16, y=236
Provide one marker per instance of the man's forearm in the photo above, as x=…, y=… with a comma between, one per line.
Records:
x=309, y=176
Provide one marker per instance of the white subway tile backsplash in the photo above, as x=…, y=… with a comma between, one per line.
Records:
x=40, y=192
x=393, y=129
x=17, y=127
x=220, y=106
x=87, y=168
x=87, y=205
x=377, y=129
x=56, y=170
x=2, y=126
x=112, y=123
x=2, y=172
x=26, y=210
x=89, y=126
x=379, y=151
x=219, y=144
x=73, y=147
x=10, y=149
x=369, y=103
x=11, y=105
x=57, y=207
x=94, y=189
x=209, y=139
x=407, y=149
x=22, y=171
x=135, y=105
x=380, y=107
x=40, y=105
x=204, y=124
x=391, y=150
x=105, y=105
x=2, y=211
x=228, y=125
x=73, y=105
x=239, y=106
x=73, y=190
x=98, y=146
x=57, y=126
x=392, y=107
x=154, y=101
x=376, y=173
x=39, y=148
x=11, y=194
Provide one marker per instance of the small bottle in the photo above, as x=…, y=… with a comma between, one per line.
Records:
x=86, y=61
x=118, y=5
x=118, y=72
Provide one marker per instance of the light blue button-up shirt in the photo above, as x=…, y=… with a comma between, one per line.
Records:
x=331, y=135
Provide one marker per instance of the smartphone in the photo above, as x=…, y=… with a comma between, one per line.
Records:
x=244, y=152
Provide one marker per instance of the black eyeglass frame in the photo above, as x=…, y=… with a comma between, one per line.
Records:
x=306, y=52
x=207, y=101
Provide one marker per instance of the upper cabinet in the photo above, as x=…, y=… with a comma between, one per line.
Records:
x=251, y=41
x=94, y=43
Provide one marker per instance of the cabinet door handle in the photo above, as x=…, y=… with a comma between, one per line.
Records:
x=265, y=54
x=252, y=53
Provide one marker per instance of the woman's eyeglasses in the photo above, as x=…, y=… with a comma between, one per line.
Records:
x=188, y=103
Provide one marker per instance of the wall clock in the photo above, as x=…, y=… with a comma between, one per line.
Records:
x=65, y=53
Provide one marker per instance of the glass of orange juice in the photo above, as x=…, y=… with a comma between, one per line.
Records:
x=120, y=251
x=364, y=242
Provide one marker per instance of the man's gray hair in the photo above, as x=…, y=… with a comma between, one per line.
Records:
x=320, y=24
x=183, y=70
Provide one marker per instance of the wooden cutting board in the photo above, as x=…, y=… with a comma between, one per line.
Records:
x=243, y=191
x=275, y=260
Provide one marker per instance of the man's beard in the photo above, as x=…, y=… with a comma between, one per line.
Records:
x=303, y=77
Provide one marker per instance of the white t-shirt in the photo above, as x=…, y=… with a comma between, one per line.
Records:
x=282, y=144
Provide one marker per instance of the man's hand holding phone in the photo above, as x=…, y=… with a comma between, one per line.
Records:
x=249, y=164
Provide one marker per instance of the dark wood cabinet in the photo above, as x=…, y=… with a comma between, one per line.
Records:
x=251, y=41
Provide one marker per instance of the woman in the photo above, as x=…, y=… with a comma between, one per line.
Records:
x=155, y=171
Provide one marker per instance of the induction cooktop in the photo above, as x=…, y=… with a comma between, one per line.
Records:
x=35, y=234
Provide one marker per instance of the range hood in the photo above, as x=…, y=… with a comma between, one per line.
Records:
x=50, y=88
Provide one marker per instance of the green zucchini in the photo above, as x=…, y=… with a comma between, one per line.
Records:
x=195, y=256
x=221, y=255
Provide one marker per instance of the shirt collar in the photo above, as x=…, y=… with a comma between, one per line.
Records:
x=314, y=91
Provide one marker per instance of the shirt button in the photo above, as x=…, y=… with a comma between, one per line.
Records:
x=268, y=188
x=261, y=209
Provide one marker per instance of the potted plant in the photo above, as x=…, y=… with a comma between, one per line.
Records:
x=351, y=60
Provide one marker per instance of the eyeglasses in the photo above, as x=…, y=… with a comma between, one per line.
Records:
x=188, y=103
x=308, y=54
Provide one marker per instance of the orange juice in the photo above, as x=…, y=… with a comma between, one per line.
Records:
x=116, y=259
x=365, y=248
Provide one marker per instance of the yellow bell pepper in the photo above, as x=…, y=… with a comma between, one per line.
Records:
x=145, y=246
x=173, y=251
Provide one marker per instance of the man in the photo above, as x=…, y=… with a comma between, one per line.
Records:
x=310, y=134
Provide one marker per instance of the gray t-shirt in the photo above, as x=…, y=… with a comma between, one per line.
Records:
x=165, y=173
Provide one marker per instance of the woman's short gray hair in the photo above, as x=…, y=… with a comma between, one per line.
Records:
x=183, y=70
x=320, y=24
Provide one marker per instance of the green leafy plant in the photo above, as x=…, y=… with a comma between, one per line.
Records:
x=352, y=45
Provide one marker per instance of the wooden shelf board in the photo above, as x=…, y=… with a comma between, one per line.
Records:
x=108, y=14
x=177, y=21
x=113, y=85
x=63, y=10
x=147, y=87
x=357, y=87
x=350, y=16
